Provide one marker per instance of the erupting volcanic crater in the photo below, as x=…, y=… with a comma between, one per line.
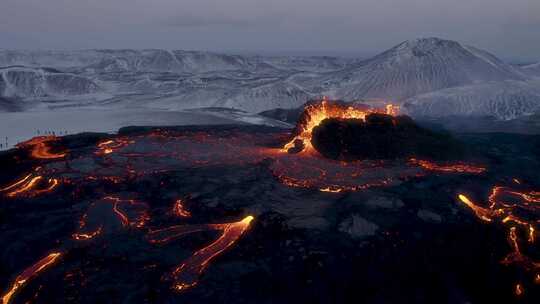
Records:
x=252, y=213
x=351, y=132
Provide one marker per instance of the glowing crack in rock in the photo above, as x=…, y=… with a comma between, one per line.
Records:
x=448, y=168
x=179, y=210
x=482, y=213
x=163, y=151
x=518, y=290
x=504, y=206
x=187, y=274
x=134, y=215
x=112, y=145
x=111, y=214
x=29, y=273
x=40, y=148
x=87, y=236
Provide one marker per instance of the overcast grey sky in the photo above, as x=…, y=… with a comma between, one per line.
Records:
x=508, y=28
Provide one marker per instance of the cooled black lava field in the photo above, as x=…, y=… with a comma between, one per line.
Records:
x=224, y=214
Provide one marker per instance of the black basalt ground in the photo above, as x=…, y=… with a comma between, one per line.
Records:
x=419, y=244
x=382, y=136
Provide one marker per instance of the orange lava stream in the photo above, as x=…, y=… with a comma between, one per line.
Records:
x=29, y=273
x=166, y=235
x=482, y=213
x=178, y=209
x=299, y=183
x=138, y=222
x=87, y=236
x=187, y=274
x=25, y=187
x=314, y=114
x=40, y=149
x=112, y=145
x=28, y=186
x=503, y=204
x=453, y=168
x=519, y=290
x=16, y=184
x=53, y=183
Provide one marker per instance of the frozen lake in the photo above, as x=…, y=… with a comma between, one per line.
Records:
x=20, y=126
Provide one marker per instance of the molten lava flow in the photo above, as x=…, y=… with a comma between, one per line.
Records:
x=31, y=185
x=315, y=113
x=87, y=236
x=482, y=213
x=52, y=183
x=139, y=216
x=392, y=109
x=16, y=184
x=166, y=235
x=40, y=149
x=24, y=187
x=332, y=188
x=504, y=206
x=519, y=290
x=111, y=214
x=451, y=168
x=112, y=145
x=29, y=273
x=186, y=275
x=179, y=210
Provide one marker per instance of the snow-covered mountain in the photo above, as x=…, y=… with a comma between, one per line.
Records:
x=415, y=67
x=532, y=69
x=32, y=83
x=504, y=100
x=431, y=76
x=125, y=60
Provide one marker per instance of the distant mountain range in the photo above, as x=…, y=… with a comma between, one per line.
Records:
x=429, y=77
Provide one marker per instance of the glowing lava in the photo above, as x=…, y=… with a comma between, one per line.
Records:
x=315, y=113
x=482, y=213
x=187, y=274
x=87, y=236
x=504, y=206
x=135, y=216
x=111, y=214
x=16, y=184
x=29, y=273
x=112, y=145
x=40, y=149
x=179, y=209
x=160, y=151
x=519, y=290
x=449, y=168
x=31, y=185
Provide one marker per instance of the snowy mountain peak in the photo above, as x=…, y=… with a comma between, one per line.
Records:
x=427, y=44
x=419, y=66
x=422, y=50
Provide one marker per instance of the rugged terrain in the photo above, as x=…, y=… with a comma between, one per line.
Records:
x=223, y=214
x=430, y=76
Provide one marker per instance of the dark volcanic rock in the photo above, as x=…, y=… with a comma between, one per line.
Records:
x=381, y=136
x=409, y=242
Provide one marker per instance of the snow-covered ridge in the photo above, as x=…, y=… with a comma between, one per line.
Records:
x=532, y=69
x=427, y=74
x=156, y=60
x=33, y=83
x=416, y=67
x=504, y=100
